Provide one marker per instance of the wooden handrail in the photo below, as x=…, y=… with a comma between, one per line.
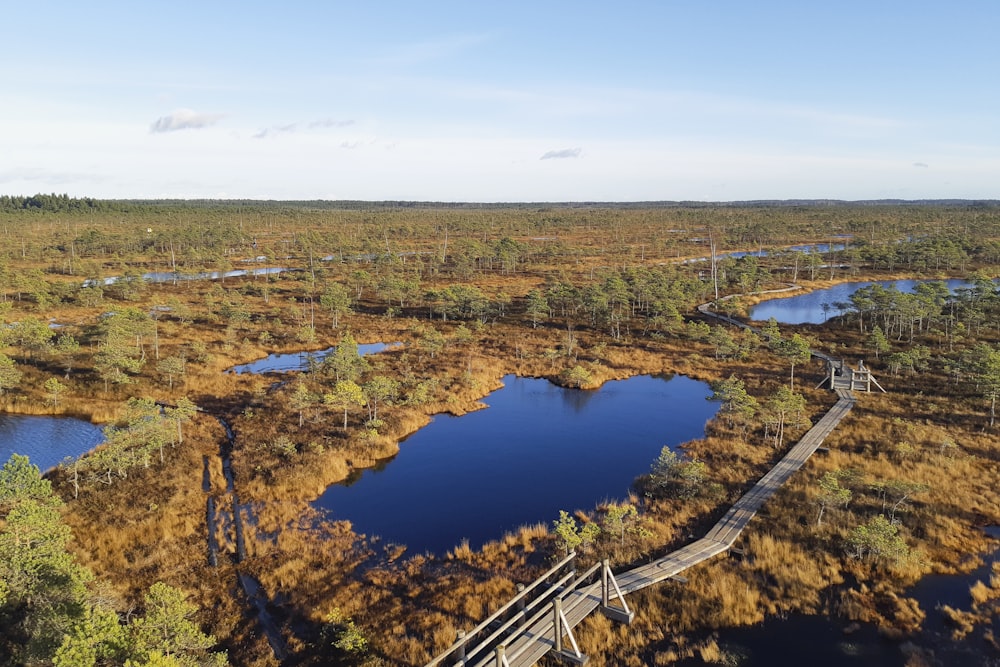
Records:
x=499, y=612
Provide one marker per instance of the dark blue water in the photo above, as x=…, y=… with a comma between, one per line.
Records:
x=300, y=361
x=46, y=441
x=536, y=450
x=808, y=308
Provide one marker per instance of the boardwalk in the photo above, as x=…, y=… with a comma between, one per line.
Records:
x=725, y=533
x=537, y=634
x=536, y=639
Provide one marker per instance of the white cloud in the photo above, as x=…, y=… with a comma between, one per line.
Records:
x=323, y=123
x=561, y=154
x=184, y=119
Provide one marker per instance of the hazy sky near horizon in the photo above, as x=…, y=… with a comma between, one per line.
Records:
x=516, y=101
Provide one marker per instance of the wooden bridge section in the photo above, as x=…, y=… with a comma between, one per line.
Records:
x=541, y=618
x=725, y=533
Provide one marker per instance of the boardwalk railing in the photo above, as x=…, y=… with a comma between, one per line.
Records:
x=511, y=614
x=545, y=611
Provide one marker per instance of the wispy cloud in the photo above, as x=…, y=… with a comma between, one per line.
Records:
x=276, y=129
x=921, y=164
x=561, y=154
x=323, y=123
x=330, y=122
x=185, y=119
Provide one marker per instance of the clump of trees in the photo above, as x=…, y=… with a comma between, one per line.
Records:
x=878, y=539
x=48, y=613
x=738, y=407
x=572, y=535
x=614, y=522
x=147, y=431
x=831, y=494
x=675, y=477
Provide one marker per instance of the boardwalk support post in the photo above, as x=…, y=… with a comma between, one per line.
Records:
x=621, y=614
x=557, y=631
x=461, y=646
x=520, y=604
x=562, y=627
x=501, y=658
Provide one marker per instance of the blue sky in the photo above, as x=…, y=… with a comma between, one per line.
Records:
x=514, y=101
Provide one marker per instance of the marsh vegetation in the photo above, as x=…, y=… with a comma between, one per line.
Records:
x=578, y=295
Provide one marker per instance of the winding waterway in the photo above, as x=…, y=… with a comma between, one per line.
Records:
x=537, y=449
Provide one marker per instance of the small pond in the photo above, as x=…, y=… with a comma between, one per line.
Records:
x=818, y=306
x=537, y=449
x=46, y=441
x=300, y=361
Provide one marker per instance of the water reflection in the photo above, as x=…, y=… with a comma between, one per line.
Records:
x=576, y=400
x=537, y=449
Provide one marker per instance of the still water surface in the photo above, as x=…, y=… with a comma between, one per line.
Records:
x=46, y=440
x=536, y=450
